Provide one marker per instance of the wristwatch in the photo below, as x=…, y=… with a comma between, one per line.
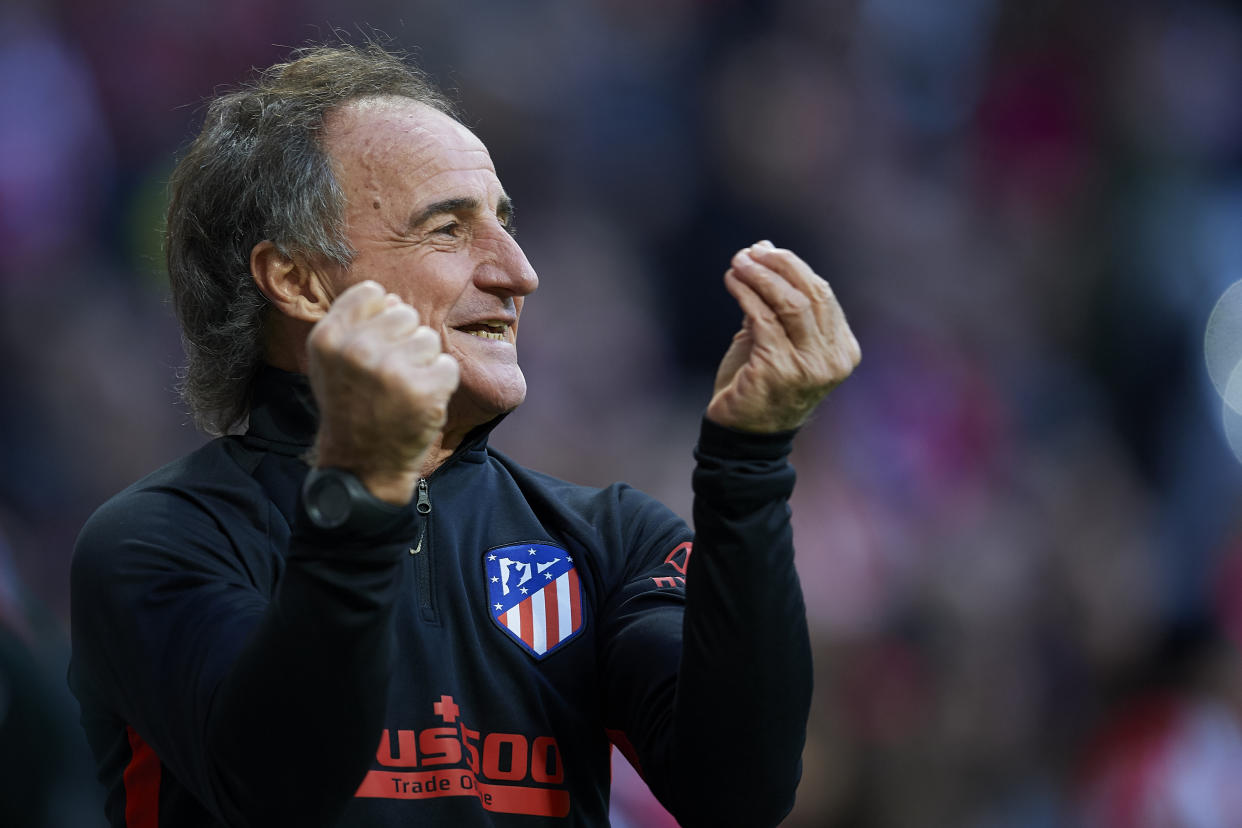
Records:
x=335, y=501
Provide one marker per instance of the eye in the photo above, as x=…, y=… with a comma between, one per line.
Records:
x=506, y=221
x=450, y=229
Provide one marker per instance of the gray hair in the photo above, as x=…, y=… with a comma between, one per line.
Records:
x=258, y=171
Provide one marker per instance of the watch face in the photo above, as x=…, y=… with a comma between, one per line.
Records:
x=329, y=502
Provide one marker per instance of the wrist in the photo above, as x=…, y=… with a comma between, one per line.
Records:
x=724, y=441
x=395, y=488
x=336, y=502
x=389, y=483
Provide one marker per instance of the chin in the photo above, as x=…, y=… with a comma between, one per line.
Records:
x=477, y=402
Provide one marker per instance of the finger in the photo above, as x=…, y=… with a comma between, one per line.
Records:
x=422, y=346
x=359, y=302
x=437, y=377
x=761, y=321
x=402, y=358
x=445, y=371
x=366, y=326
x=798, y=273
x=789, y=265
x=828, y=311
x=395, y=321
x=791, y=306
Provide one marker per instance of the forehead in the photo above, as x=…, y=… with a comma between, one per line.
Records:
x=397, y=146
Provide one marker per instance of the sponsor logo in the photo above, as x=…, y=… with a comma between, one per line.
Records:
x=534, y=595
x=507, y=772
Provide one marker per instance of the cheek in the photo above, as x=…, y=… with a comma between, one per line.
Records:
x=432, y=298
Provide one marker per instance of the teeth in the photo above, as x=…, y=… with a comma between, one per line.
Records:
x=488, y=329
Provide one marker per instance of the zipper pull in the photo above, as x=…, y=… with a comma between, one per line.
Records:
x=424, y=502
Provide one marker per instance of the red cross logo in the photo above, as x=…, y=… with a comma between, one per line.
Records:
x=445, y=709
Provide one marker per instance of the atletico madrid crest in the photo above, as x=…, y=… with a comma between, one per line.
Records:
x=534, y=595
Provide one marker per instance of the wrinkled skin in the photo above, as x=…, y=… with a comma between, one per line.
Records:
x=793, y=348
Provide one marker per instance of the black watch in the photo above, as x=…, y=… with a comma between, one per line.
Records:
x=336, y=501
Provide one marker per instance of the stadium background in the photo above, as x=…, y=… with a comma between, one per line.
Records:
x=1016, y=524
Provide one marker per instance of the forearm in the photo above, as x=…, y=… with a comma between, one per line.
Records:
x=297, y=718
x=744, y=684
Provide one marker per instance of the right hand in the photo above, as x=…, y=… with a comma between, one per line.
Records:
x=383, y=385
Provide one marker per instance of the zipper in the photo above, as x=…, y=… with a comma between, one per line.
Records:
x=421, y=552
x=424, y=500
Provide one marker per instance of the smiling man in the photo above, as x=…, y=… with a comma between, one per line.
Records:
x=348, y=609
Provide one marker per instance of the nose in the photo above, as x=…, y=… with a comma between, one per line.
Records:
x=506, y=270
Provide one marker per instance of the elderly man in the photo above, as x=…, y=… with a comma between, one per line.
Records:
x=354, y=612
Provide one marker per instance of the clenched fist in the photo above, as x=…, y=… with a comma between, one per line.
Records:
x=793, y=348
x=383, y=385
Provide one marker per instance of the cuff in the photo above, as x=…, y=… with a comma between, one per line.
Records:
x=727, y=443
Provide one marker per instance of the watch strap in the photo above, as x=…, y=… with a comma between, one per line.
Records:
x=335, y=502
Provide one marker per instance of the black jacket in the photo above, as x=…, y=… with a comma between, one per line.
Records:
x=467, y=666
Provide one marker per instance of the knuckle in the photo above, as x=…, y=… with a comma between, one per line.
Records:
x=354, y=296
x=405, y=314
x=398, y=313
x=766, y=316
x=448, y=369
x=427, y=338
x=795, y=303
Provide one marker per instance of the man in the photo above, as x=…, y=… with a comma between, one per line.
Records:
x=356, y=613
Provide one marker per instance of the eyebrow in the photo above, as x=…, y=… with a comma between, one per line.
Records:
x=448, y=205
x=465, y=204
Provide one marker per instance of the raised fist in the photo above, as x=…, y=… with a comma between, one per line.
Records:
x=382, y=384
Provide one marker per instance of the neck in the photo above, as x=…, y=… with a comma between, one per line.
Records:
x=441, y=450
x=396, y=486
x=455, y=432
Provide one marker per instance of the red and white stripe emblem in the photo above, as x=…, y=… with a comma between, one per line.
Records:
x=549, y=616
x=535, y=595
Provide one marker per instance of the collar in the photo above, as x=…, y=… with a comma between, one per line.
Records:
x=284, y=417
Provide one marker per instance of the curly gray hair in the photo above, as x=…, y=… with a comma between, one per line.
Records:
x=258, y=171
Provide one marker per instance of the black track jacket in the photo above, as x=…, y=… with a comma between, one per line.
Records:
x=469, y=664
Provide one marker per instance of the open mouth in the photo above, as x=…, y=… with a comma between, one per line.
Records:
x=487, y=330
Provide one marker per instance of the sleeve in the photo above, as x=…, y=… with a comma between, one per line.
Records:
x=708, y=688
x=265, y=705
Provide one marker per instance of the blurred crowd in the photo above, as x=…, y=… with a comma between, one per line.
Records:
x=1015, y=524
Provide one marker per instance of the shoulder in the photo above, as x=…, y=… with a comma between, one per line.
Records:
x=191, y=502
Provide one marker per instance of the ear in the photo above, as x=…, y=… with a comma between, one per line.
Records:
x=296, y=289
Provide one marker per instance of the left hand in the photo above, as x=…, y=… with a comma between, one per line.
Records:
x=793, y=348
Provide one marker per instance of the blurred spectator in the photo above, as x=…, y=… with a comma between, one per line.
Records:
x=1171, y=752
x=1029, y=209
x=46, y=771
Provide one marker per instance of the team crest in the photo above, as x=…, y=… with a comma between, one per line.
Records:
x=534, y=595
